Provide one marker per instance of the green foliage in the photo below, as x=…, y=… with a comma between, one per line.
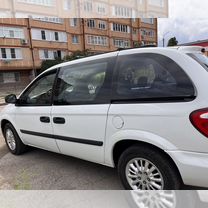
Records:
x=77, y=55
x=173, y=42
x=46, y=64
x=137, y=44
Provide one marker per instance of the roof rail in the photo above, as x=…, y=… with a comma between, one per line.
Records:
x=145, y=46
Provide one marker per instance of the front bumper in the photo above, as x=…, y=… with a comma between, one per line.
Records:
x=192, y=166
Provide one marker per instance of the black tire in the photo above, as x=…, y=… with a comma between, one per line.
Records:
x=171, y=177
x=20, y=148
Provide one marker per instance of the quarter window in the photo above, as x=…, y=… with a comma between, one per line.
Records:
x=152, y=76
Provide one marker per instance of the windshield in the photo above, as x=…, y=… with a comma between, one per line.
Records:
x=202, y=59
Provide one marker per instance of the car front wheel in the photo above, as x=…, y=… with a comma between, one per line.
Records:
x=13, y=141
x=144, y=168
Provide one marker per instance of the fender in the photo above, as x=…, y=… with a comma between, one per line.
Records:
x=136, y=135
x=8, y=113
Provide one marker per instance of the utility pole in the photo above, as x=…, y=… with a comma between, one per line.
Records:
x=164, y=38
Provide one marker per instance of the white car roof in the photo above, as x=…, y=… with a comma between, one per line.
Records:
x=91, y=58
x=120, y=53
x=188, y=49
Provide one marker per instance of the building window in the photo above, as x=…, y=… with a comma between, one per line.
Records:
x=49, y=35
x=46, y=54
x=91, y=23
x=48, y=19
x=102, y=25
x=122, y=11
x=67, y=4
x=8, y=32
x=120, y=28
x=121, y=43
x=13, y=54
x=75, y=39
x=39, y=2
x=73, y=22
x=51, y=54
x=101, y=8
x=97, y=40
x=147, y=33
x=56, y=36
x=147, y=20
x=10, y=53
x=88, y=6
x=9, y=77
x=158, y=3
x=43, y=35
x=3, y=53
x=57, y=54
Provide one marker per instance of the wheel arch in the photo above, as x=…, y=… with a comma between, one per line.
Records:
x=123, y=145
x=3, y=123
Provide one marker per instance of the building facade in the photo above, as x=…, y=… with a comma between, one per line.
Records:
x=25, y=43
x=84, y=8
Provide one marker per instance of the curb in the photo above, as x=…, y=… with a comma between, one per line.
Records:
x=2, y=104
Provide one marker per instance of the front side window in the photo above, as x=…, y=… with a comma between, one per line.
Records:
x=82, y=83
x=152, y=77
x=40, y=93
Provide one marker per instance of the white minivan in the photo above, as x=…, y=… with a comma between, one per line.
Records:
x=143, y=111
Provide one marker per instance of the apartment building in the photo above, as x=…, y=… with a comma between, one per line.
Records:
x=84, y=8
x=25, y=43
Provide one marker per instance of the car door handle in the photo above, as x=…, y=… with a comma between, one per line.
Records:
x=59, y=120
x=45, y=119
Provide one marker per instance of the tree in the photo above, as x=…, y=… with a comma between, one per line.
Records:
x=173, y=42
x=77, y=55
x=46, y=64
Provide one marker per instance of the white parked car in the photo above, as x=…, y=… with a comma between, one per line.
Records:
x=144, y=111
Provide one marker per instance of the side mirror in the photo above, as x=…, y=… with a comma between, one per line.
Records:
x=11, y=99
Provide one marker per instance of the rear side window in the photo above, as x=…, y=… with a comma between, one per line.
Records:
x=84, y=83
x=151, y=77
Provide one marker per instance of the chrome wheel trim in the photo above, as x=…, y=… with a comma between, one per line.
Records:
x=155, y=199
x=10, y=139
x=142, y=174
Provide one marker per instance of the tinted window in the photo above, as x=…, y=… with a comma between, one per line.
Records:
x=40, y=93
x=83, y=83
x=151, y=76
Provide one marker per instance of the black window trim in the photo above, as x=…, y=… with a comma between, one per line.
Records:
x=109, y=79
x=54, y=71
x=177, y=99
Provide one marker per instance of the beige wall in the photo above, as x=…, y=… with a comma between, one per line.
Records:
x=77, y=8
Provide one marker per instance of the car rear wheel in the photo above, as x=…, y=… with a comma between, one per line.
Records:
x=144, y=168
x=13, y=141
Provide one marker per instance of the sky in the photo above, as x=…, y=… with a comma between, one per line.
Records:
x=188, y=21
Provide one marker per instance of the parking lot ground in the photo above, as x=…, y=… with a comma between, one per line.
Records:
x=42, y=170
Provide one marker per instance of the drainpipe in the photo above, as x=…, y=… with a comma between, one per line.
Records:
x=31, y=48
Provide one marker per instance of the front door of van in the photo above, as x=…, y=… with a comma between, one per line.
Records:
x=33, y=116
x=80, y=109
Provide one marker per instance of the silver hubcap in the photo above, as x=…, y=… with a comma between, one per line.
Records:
x=10, y=139
x=141, y=174
x=155, y=199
